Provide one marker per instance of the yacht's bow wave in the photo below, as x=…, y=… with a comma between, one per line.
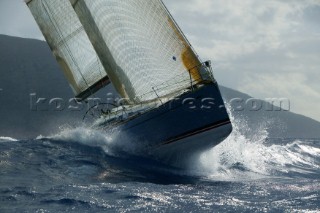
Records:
x=243, y=156
x=112, y=142
x=7, y=139
x=238, y=157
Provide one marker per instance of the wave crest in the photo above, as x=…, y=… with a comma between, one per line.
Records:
x=243, y=156
x=7, y=139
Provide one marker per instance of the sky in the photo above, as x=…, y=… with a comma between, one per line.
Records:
x=267, y=49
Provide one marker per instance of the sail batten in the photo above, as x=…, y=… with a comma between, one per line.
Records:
x=70, y=45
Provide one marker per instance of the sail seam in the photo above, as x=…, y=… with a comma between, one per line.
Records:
x=66, y=45
x=69, y=37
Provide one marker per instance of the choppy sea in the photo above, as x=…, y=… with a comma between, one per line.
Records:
x=83, y=170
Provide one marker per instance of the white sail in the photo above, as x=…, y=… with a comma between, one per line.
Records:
x=142, y=49
x=70, y=44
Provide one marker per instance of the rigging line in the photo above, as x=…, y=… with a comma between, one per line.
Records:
x=52, y=19
x=168, y=86
x=101, y=75
x=175, y=79
x=99, y=65
x=98, y=60
x=71, y=35
x=179, y=29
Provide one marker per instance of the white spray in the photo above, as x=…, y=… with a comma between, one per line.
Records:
x=250, y=157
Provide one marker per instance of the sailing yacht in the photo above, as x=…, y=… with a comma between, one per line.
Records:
x=170, y=99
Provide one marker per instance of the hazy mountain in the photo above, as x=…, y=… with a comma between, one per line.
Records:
x=279, y=122
x=28, y=67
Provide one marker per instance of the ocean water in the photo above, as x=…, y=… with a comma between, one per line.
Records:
x=83, y=170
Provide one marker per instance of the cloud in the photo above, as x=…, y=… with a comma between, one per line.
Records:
x=291, y=86
x=264, y=48
x=16, y=20
x=238, y=27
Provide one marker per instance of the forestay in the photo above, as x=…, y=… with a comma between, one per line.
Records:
x=140, y=46
x=70, y=45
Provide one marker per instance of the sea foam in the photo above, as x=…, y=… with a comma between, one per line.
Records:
x=7, y=139
x=243, y=156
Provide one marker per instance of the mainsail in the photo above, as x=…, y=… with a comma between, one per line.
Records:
x=70, y=44
x=140, y=46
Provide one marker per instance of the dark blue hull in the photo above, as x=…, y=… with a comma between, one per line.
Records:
x=189, y=124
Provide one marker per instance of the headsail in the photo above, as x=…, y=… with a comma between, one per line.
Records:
x=142, y=49
x=70, y=44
